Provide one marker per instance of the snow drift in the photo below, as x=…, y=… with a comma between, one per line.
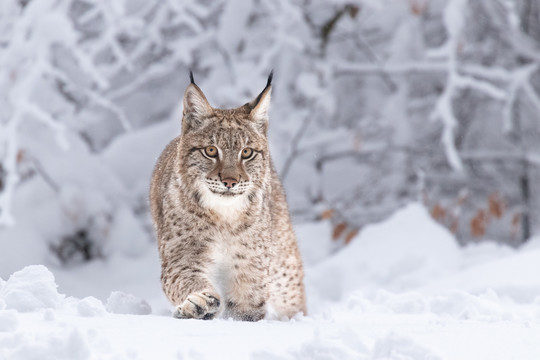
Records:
x=401, y=290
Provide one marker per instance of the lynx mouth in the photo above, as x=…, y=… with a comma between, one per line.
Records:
x=226, y=193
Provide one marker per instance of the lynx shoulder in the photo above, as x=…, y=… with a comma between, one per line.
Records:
x=224, y=233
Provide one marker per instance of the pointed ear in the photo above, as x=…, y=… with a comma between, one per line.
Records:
x=261, y=104
x=196, y=107
x=195, y=102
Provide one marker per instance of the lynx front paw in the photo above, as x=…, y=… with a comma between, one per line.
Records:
x=202, y=305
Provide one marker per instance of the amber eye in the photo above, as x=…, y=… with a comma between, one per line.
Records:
x=246, y=153
x=210, y=151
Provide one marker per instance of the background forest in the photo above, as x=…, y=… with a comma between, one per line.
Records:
x=376, y=104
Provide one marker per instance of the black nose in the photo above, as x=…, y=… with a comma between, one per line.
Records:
x=229, y=183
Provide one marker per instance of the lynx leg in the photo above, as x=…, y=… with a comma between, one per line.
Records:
x=191, y=292
x=287, y=294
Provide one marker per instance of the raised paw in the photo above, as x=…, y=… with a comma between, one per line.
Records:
x=201, y=305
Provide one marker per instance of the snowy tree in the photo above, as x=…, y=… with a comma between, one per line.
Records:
x=376, y=104
x=431, y=95
x=73, y=73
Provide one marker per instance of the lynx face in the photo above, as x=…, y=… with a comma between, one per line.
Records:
x=225, y=159
x=224, y=152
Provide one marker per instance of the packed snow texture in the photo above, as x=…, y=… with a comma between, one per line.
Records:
x=401, y=290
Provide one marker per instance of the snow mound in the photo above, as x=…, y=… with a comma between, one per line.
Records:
x=462, y=305
x=69, y=345
x=122, y=303
x=514, y=276
x=90, y=306
x=405, y=251
x=454, y=304
x=30, y=289
x=405, y=303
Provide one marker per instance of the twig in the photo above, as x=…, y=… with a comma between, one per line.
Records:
x=294, y=146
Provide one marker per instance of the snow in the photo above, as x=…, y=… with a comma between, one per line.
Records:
x=90, y=306
x=401, y=290
x=126, y=234
x=33, y=288
x=122, y=303
x=400, y=253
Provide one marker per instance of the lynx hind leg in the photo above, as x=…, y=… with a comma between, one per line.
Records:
x=287, y=295
x=199, y=305
x=285, y=308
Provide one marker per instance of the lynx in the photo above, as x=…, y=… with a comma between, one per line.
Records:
x=225, y=237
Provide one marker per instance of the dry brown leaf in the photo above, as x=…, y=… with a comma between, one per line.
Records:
x=479, y=224
x=327, y=214
x=496, y=205
x=438, y=212
x=338, y=230
x=418, y=7
x=20, y=156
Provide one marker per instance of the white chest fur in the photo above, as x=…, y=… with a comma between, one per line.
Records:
x=227, y=207
x=222, y=266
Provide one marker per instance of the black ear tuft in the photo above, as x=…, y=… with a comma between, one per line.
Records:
x=191, y=77
x=269, y=82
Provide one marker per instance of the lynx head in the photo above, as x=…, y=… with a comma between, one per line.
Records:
x=223, y=153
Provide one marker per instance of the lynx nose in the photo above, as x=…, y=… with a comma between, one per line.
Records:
x=229, y=182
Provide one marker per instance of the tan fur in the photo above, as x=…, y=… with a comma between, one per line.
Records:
x=233, y=254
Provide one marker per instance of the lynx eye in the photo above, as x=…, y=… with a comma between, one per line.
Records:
x=210, y=151
x=246, y=153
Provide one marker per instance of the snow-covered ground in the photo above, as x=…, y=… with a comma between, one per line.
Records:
x=401, y=290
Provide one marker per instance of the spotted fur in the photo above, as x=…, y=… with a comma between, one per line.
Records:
x=228, y=251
